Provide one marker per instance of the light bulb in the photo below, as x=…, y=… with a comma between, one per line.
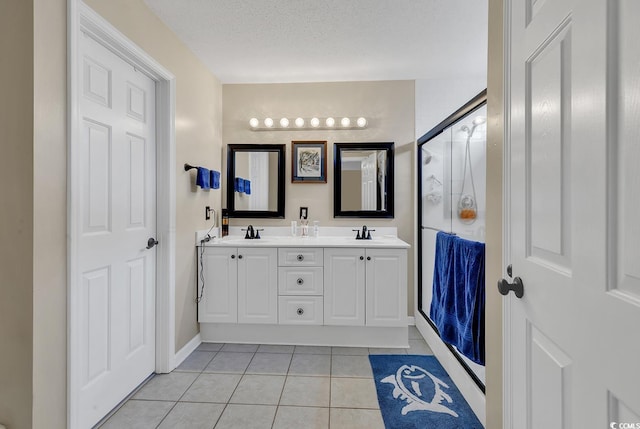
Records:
x=345, y=122
x=315, y=122
x=284, y=122
x=299, y=122
x=254, y=122
x=330, y=122
x=268, y=122
x=362, y=122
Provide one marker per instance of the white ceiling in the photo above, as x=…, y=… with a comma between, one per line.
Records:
x=266, y=41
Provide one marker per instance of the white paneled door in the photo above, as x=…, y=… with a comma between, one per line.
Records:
x=571, y=340
x=117, y=216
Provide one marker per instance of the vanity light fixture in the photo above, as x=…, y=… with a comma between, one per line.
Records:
x=313, y=123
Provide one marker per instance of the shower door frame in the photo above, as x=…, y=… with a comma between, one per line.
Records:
x=474, y=104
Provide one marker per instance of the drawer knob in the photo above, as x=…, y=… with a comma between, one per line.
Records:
x=300, y=258
x=300, y=311
x=300, y=281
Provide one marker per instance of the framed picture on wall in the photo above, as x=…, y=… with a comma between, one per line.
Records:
x=309, y=161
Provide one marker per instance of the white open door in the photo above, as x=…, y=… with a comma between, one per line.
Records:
x=116, y=267
x=571, y=340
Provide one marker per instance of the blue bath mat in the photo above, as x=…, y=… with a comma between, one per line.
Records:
x=415, y=392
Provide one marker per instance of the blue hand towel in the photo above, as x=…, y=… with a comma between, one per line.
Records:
x=247, y=187
x=457, y=307
x=239, y=184
x=203, y=179
x=215, y=179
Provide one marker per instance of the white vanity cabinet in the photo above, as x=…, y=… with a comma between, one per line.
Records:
x=344, y=274
x=240, y=285
x=257, y=285
x=301, y=286
x=323, y=291
x=365, y=287
x=219, y=270
x=386, y=287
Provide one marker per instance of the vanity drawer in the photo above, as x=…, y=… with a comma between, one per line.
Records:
x=300, y=280
x=300, y=310
x=291, y=256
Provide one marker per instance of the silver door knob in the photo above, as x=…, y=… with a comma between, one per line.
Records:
x=151, y=242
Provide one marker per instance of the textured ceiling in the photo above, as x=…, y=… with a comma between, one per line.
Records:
x=260, y=41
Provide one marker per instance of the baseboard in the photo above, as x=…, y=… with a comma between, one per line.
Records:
x=185, y=351
x=411, y=321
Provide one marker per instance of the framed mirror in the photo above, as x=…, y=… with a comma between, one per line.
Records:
x=363, y=180
x=255, y=180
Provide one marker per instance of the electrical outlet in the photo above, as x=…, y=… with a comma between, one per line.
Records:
x=207, y=213
x=304, y=212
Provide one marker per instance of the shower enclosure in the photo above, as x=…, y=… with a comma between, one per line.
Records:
x=452, y=193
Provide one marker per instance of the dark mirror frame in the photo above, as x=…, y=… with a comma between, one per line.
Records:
x=231, y=174
x=337, y=180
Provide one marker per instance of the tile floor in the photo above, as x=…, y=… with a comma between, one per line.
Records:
x=252, y=386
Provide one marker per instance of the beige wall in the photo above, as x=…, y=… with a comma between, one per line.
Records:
x=388, y=105
x=37, y=173
x=198, y=138
x=16, y=212
x=50, y=214
x=494, y=265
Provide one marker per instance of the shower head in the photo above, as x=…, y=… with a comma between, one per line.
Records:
x=479, y=120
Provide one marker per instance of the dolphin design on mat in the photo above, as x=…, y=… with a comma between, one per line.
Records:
x=407, y=383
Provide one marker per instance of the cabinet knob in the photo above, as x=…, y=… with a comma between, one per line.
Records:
x=300, y=281
x=233, y=256
x=362, y=258
x=239, y=256
x=300, y=258
x=300, y=311
x=368, y=258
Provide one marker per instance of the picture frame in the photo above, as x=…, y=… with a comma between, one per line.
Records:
x=309, y=161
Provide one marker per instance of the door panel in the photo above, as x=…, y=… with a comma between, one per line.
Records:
x=117, y=211
x=574, y=115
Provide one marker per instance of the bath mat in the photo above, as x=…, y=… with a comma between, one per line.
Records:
x=414, y=391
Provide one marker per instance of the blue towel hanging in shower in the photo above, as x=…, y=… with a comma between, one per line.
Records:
x=457, y=306
x=204, y=178
x=247, y=187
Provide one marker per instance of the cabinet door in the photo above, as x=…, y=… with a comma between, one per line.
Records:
x=219, y=301
x=344, y=271
x=257, y=285
x=386, y=289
